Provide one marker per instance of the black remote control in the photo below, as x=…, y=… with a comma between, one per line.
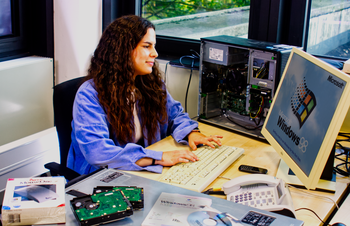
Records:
x=252, y=169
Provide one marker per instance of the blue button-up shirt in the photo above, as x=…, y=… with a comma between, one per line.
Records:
x=93, y=147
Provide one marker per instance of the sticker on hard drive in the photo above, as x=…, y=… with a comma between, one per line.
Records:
x=110, y=176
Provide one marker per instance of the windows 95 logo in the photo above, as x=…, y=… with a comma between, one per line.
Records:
x=303, y=103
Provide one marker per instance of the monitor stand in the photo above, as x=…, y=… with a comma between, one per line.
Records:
x=326, y=183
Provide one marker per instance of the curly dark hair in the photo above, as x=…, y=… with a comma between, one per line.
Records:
x=118, y=89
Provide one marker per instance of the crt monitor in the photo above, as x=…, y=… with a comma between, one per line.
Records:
x=306, y=116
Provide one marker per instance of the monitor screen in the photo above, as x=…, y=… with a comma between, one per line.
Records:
x=306, y=115
x=5, y=18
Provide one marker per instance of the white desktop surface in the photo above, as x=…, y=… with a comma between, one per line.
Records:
x=152, y=190
x=261, y=154
x=342, y=215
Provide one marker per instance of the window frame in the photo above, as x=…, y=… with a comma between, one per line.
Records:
x=33, y=30
x=168, y=48
x=276, y=21
x=280, y=21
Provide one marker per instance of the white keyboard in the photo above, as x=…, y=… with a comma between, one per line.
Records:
x=198, y=175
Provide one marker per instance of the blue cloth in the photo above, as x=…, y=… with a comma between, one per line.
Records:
x=92, y=147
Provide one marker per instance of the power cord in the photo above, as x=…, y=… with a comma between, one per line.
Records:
x=193, y=57
x=315, y=195
x=312, y=212
x=165, y=75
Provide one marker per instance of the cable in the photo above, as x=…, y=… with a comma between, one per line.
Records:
x=344, y=134
x=213, y=191
x=343, y=168
x=345, y=163
x=245, y=127
x=261, y=70
x=319, y=196
x=188, y=87
x=216, y=191
x=165, y=75
x=191, y=50
x=227, y=178
x=193, y=57
x=259, y=110
x=312, y=212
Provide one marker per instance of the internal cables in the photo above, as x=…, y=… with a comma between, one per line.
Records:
x=223, y=111
x=262, y=71
x=259, y=110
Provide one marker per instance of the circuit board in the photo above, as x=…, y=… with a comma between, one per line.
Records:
x=134, y=194
x=101, y=207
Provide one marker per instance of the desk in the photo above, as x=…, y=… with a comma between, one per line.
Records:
x=152, y=191
x=342, y=214
x=261, y=154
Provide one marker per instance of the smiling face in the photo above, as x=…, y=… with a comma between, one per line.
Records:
x=144, y=54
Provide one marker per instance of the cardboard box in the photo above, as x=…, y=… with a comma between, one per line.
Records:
x=39, y=200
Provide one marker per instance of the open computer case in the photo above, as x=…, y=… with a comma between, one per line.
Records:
x=237, y=82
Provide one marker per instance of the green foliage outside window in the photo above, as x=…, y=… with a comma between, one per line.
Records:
x=160, y=9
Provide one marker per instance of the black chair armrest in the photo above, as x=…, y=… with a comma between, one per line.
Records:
x=60, y=170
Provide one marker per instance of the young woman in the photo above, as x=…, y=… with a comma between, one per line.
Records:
x=123, y=106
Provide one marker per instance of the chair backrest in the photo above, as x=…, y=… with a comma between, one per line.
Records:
x=63, y=99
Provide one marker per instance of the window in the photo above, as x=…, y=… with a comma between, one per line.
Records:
x=5, y=18
x=329, y=28
x=31, y=30
x=194, y=19
x=181, y=24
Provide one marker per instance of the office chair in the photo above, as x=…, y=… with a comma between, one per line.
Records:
x=63, y=98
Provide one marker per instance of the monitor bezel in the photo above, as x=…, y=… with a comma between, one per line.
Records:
x=311, y=181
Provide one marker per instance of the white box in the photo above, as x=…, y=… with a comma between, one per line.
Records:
x=39, y=200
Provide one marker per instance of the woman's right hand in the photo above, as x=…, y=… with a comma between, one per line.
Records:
x=171, y=158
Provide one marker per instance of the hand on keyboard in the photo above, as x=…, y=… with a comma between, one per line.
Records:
x=171, y=158
x=198, y=175
x=196, y=138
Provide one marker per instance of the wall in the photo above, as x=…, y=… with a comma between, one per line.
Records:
x=176, y=80
x=25, y=97
x=28, y=137
x=77, y=29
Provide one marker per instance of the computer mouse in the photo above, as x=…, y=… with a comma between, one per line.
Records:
x=338, y=224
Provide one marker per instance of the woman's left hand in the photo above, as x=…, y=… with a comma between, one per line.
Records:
x=196, y=138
